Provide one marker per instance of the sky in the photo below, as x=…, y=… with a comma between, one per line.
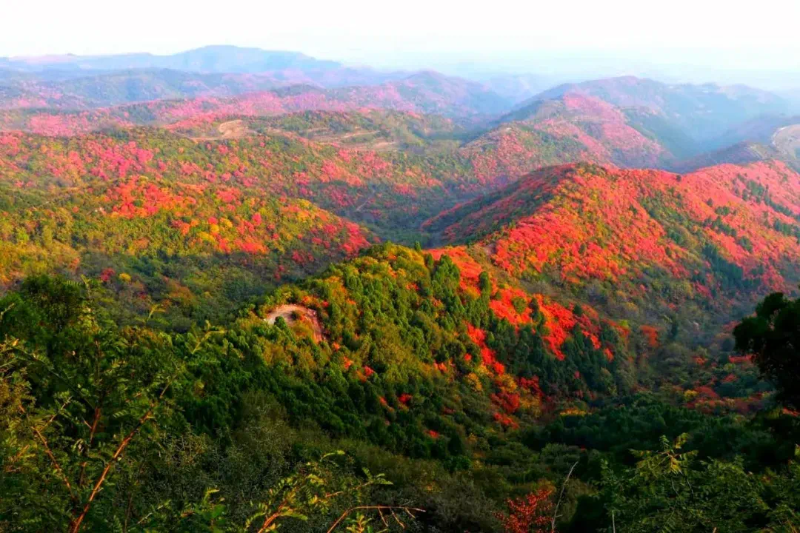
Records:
x=521, y=35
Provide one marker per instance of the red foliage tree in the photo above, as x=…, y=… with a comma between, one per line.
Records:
x=529, y=514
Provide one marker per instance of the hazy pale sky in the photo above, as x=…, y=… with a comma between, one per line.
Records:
x=724, y=33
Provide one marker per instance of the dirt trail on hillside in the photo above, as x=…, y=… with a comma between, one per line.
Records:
x=289, y=311
x=232, y=129
x=787, y=141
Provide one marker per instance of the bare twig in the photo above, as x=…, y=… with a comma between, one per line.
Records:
x=129, y=508
x=9, y=467
x=269, y=520
x=93, y=429
x=560, y=496
x=52, y=418
x=66, y=382
x=153, y=310
x=75, y=526
x=397, y=519
x=357, y=488
x=6, y=310
x=383, y=518
x=380, y=509
x=50, y=454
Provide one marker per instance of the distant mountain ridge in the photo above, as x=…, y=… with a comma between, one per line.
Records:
x=738, y=154
x=626, y=121
x=425, y=92
x=768, y=138
x=81, y=82
x=111, y=88
x=701, y=112
x=215, y=58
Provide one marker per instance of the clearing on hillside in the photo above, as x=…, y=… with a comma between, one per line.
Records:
x=293, y=313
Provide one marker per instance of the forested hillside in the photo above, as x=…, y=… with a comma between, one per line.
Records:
x=680, y=250
x=254, y=291
x=417, y=376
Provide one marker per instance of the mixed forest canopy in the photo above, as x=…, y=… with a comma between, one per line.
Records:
x=252, y=291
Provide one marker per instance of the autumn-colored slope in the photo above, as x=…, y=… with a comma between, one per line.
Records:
x=555, y=321
x=394, y=313
x=378, y=130
x=492, y=158
x=393, y=190
x=633, y=122
x=686, y=347
x=489, y=160
x=118, y=198
x=165, y=209
x=196, y=247
x=722, y=234
x=598, y=129
x=420, y=93
x=570, y=129
x=627, y=122
x=510, y=151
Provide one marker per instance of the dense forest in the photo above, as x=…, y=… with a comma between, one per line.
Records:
x=419, y=405
x=288, y=295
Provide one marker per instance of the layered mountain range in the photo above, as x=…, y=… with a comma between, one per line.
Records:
x=560, y=263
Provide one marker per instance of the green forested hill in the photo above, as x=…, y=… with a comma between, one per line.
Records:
x=415, y=376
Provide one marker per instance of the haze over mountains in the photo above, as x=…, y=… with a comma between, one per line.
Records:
x=674, y=122
x=227, y=59
x=486, y=288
